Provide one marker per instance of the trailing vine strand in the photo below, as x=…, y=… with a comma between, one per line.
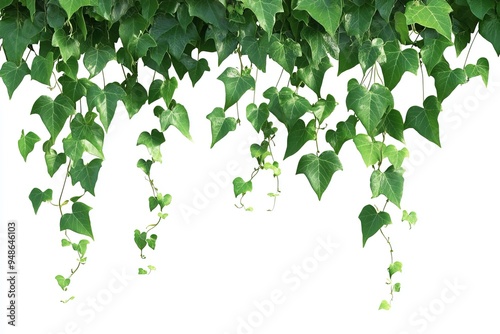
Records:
x=68, y=44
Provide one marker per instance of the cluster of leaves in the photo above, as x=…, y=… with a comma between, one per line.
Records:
x=55, y=41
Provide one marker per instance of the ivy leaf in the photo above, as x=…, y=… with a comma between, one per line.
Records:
x=489, y=28
x=26, y=143
x=395, y=267
x=316, y=41
x=425, y=120
x=358, y=19
x=152, y=244
x=85, y=128
x=53, y=113
x=371, y=52
x=210, y=11
x=68, y=46
x=345, y=132
x=324, y=108
x=74, y=149
x=197, y=72
x=398, y=62
x=78, y=221
x=12, y=75
x=14, y=40
x=372, y=221
x=284, y=53
x=96, y=58
x=71, y=6
x=241, y=187
x=369, y=105
x=319, y=169
x=397, y=287
x=432, y=51
x=384, y=8
x=135, y=97
x=265, y=11
x=220, y=125
x=167, y=89
x=435, y=14
x=446, y=80
x=384, y=305
x=402, y=28
x=293, y=106
x=177, y=117
x=105, y=101
x=142, y=271
x=480, y=7
x=393, y=125
x=389, y=183
x=63, y=282
x=325, y=12
x=152, y=141
x=140, y=239
x=313, y=76
x=396, y=157
x=298, y=136
x=371, y=151
x=256, y=49
x=86, y=174
x=164, y=200
x=37, y=197
x=257, y=116
x=41, y=68
x=482, y=68
x=411, y=217
x=54, y=161
x=153, y=203
x=145, y=165
x=235, y=84
x=154, y=91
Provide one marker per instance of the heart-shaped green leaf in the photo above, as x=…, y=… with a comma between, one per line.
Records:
x=319, y=169
x=372, y=221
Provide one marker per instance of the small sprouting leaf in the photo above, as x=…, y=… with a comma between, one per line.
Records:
x=63, y=282
x=142, y=271
x=86, y=174
x=434, y=14
x=298, y=136
x=140, y=239
x=398, y=62
x=345, y=131
x=397, y=287
x=26, y=143
x=327, y=13
x=395, y=267
x=152, y=241
x=65, y=243
x=482, y=68
x=96, y=58
x=384, y=305
x=324, y=108
x=162, y=215
x=82, y=247
x=372, y=221
x=177, y=117
x=164, y=200
x=53, y=113
x=152, y=141
x=411, y=217
x=12, y=75
x=425, y=120
x=389, y=183
x=265, y=11
x=319, y=169
x=241, y=187
x=54, y=161
x=396, y=158
x=274, y=167
x=78, y=221
x=145, y=165
x=371, y=151
x=151, y=268
x=153, y=203
x=220, y=125
x=257, y=115
x=37, y=196
x=235, y=84
x=369, y=105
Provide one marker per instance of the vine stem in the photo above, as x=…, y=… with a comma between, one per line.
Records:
x=423, y=81
x=279, y=78
x=392, y=261
x=470, y=48
x=63, y=186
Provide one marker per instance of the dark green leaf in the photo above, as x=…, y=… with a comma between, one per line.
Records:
x=265, y=11
x=432, y=51
x=135, y=97
x=37, y=197
x=358, y=19
x=167, y=89
x=220, y=125
x=257, y=116
x=14, y=41
x=313, y=76
x=152, y=141
x=140, y=239
x=177, y=117
x=425, y=120
x=327, y=13
x=256, y=49
x=12, y=75
x=153, y=203
x=53, y=160
x=293, y=106
x=41, y=68
x=74, y=89
x=96, y=58
x=398, y=62
x=402, y=28
x=345, y=132
x=241, y=187
x=154, y=91
x=68, y=46
x=196, y=73
x=105, y=101
x=53, y=113
x=384, y=8
x=152, y=244
x=85, y=128
x=372, y=221
x=393, y=124
x=482, y=68
x=71, y=6
x=210, y=11
x=78, y=221
x=446, y=80
x=480, y=7
x=145, y=165
x=389, y=183
x=324, y=108
x=371, y=52
x=489, y=28
x=284, y=53
x=86, y=174
x=319, y=169
x=26, y=143
x=298, y=136
x=434, y=14
x=235, y=85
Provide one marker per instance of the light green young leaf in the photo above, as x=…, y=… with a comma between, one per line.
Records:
x=152, y=141
x=396, y=158
x=241, y=187
x=54, y=161
x=434, y=14
x=63, y=282
x=372, y=221
x=220, y=125
x=395, y=267
x=78, y=221
x=319, y=169
x=371, y=151
x=384, y=305
x=26, y=143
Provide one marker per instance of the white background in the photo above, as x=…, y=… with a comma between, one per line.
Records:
x=216, y=263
